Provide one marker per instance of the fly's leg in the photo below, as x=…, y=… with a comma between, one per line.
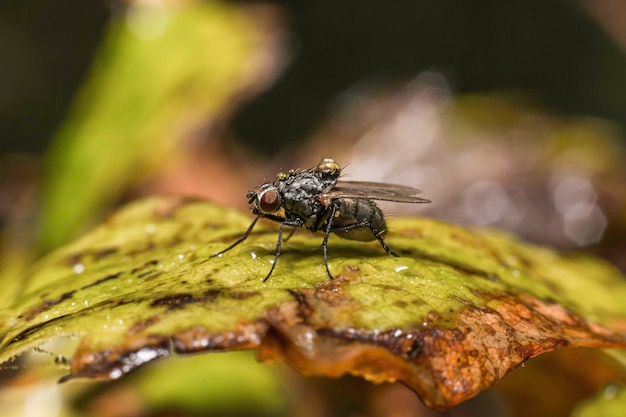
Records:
x=277, y=254
x=291, y=233
x=375, y=232
x=238, y=241
x=329, y=227
x=293, y=223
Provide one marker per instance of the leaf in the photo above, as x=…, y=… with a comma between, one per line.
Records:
x=144, y=97
x=456, y=312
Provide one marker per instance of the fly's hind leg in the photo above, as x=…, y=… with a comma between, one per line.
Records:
x=329, y=228
x=377, y=234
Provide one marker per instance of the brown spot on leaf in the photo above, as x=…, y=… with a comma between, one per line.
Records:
x=149, y=264
x=211, y=295
x=142, y=325
x=174, y=302
x=47, y=304
x=242, y=295
x=152, y=274
x=91, y=255
x=101, y=280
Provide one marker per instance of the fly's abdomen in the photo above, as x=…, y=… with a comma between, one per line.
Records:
x=354, y=211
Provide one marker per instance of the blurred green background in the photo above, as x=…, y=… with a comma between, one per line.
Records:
x=506, y=114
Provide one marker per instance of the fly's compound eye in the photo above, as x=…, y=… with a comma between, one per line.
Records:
x=328, y=168
x=269, y=200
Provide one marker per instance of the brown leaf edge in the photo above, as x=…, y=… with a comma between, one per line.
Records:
x=445, y=361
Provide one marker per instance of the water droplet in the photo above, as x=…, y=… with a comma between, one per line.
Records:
x=79, y=268
x=62, y=362
x=401, y=268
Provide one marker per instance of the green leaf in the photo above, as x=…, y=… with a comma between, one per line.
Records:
x=144, y=96
x=456, y=312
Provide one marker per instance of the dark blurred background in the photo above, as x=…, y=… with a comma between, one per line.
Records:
x=46, y=50
x=555, y=51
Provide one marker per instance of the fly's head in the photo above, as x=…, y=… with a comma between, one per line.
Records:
x=266, y=199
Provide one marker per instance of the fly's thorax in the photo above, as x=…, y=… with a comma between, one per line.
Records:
x=300, y=192
x=352, y=211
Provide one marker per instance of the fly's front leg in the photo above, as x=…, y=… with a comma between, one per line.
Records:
x=238, y=241
x=292, y=223
x=277, y=254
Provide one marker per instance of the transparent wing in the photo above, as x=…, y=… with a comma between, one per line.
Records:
x=375, y=191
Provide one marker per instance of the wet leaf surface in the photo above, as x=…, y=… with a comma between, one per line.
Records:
x=456, y=312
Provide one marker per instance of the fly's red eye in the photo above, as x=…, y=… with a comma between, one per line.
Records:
x=269, y=201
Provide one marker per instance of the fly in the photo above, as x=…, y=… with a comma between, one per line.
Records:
x=316, y=200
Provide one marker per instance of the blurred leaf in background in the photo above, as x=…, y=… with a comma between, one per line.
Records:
x=163, y=72
x=609, y=402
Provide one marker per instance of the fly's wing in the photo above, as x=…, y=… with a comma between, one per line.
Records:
x=375, y=191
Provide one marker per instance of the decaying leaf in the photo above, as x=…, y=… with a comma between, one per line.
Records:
x=451, y=316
